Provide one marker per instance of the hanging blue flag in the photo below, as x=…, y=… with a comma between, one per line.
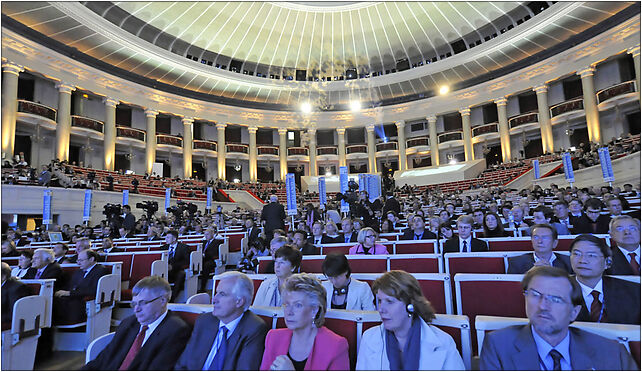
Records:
x=536, y=169
x=46, y=208
x=168, y=195
x=208, y=204
x=125, y=197
x=343, y=183
x=290, y=189
x=605, y=162
x=86, y=211
x=568, y=167
x=323, y=196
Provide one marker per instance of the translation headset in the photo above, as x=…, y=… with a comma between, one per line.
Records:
x=340, y=291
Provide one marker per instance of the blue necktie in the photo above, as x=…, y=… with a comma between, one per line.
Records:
x=219, y=358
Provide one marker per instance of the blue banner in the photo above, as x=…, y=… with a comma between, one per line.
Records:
x=605, y=162
x=363, y=182
x=343, y=184
x=374, y=187
x=125, y=197
x=168, y=195
x=86, y=210
x=290, y=189
x=46, y=208
x=568, y=167
x=208, y=204
x=536, y=169
x=323, y=196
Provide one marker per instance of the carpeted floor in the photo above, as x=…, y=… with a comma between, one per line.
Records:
x=62, y=361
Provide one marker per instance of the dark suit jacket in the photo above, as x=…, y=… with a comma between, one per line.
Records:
x=391, y=204
x=180, y=260
x=129, y=222
x=253, y=234
x=325, y=239
x=274, y=216
x=210, y=251
x=52, y=271
x=584, y=226
x=245, y=344
x=620, y=264
x=513, y=348
x=342, y=239
x=476, y=245
x=521, y=264
x=71, y=309
x=410, y=235
x=309, y=249
x=160, y=352
x=621, y=302
x=12, y=290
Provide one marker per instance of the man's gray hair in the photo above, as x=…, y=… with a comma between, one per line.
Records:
x=243, y=286
x=623, y=217
x=48, y=254
x=156, y=284
x=280, y=240
x=274, y=198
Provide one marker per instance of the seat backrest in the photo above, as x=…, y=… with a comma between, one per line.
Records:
x=458, y=327
x=264, y=262
x=312, y=264
x=368, y=263
x=344, y=324
x=199, y=298
x=235, y=241
x=28, y=315
x=415, y=246
x=509, y=244
x=107, y=289
x=142, y=266
x=474, y=263
x=137, y=248
x=416, y=263
x=189, y=312
x=97, y=345
x=341, y=248
x=126, y=259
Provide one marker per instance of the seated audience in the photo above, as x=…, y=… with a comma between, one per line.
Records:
x=478, y=218
x=300, y=241
x=151, y=339
x=305, y=344
x=24, y=264
x=405, y=340
x=418, y=231
x=81, y=245
x=343, y=292
x=544, y=215
x=277, y=242
x=592, y=222
x=12, y=290
x=60, y=250
x=367, y=243
x=348, y=235
x=9, y=249
x=178, y=261
x=445, y=231
x=287, y=260
x=553, y=301
x=544, y=241
x=332, y=233
x=211, y=243
x=493, y=226
x=44, y=267
x=625, y=242
x=152, y=234
x=230, y=337
x=465, y=242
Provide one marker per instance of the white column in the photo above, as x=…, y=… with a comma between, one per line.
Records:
x=467, y=134
x=283, y=152
x=341, y=132
x=63, y=119
x=110, y=132
x=590, y=104
x=10, y=72
x=434, y=142
x=220, y=149
x=253, y=154
x=546, y=129
x=372, y=158
x=401, y=144
x=635, y=53
x=312, y=134
x=150, y=140
x=188, y=146
x=504, y=131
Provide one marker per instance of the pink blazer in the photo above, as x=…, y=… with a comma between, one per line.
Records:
x=378, y=249
x=329, y=351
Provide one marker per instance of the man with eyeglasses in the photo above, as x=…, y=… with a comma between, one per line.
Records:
x=544, y=240
x=418, y=231
x=592, y=222
x=151, y=339
x=625, y=241
x=553, y=301
x=606, y=299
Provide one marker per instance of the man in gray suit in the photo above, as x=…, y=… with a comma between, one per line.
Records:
x=231, y=337
x=553, y=301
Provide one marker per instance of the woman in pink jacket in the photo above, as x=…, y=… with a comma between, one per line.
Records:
x=305, y=344
x=367, y=238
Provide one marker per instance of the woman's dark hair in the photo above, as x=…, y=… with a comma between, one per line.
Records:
x=404, y=287
x=496, y=232
x=28, y=253
x=290, y=253
x=335, y=264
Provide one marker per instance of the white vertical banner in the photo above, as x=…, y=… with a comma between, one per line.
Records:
x=343, y=183
x=208, y=204
x=86, y=210
x=125, y=197
x=605, y=163
x=168, y=195
x=290, y=189
x=46, y=207
x=323, y=196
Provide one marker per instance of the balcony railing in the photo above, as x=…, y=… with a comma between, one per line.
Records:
x=357, y=149
x=568, y=106
x=167, y=139
x=522, y=119
x=268, y=150
x=327, y=150
x=417, y=141
x=384, y=146
x=29, y=107
x=128, y=132
x=237, y=147
x=298, y=151
x=86, y=123
x=450, y=136
x=204, y=145
x=485, y=129
x=616, y=90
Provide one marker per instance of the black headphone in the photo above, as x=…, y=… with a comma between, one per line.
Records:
x=609, y=262
x=340, y=291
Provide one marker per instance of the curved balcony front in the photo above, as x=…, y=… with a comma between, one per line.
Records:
x=267, y=152
x=325, y=153
x=617, y=94
x=450, y=139
x=87, y=127
x=237, y=151
x=36, y=114
x=523, y=122
x=204, y=147
x=417, y=144
x=130, y=136
x=384, y=149
x=298, y=153
x=567, y=110
x=485, y=132
x=354, y=152
x=167, y=141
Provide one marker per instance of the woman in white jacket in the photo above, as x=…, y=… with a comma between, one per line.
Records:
x=405, y=340
x=343, y=292
x=287, y=260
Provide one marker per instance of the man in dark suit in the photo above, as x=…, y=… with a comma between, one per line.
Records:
x=129, y=222
x=60, y=250
x=253, y=231
x=418, y=231
x=123, y=233
x=211, y=243
x=151, y=339
x=273, y=216
x=12, y=290
x=244, y=332
x=625, y=242
x=69, y=304
x=553, y=301
x=178, y=254
x=300, y=240
x=465, y=242
x=592, y=222
x=318, y=237
x=311, y=215
x=544, y=240
x=391, y=204
x=605, y=299
x=44, y=267
x=348, y=235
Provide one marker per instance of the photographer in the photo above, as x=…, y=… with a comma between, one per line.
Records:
x=110, y=180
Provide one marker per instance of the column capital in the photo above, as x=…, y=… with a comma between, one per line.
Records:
x=464, y=111
x=14, y=68
x=501, y=101
x=586, y=71
x=151, y=113
x=370, y=128
x=341, y=131
x=252, y=129
x=110, y=102
x=312, y=131
x=432, y=119
x=65, y=88
x=283, y=131
x=400, y=123
x=221, y=126
x=634, y=51
x=541, y=89
x=188, y=120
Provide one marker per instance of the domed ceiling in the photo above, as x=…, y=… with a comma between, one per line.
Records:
x=276, y=55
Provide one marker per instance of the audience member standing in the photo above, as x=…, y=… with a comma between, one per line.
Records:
x=273, y=217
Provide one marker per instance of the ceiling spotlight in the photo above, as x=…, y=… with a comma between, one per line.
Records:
x=444, y=89
x=306, y=107
x=355, y=105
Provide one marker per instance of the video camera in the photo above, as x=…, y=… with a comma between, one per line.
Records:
x=349, y=196
x=179, y=209
x=150, y=207
x=113, y=212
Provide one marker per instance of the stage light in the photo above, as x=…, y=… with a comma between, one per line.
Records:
x=452, y=161
x=236, y=180
x=328, y=173
x=355, y=105
x=306, y=107
x=444, y=89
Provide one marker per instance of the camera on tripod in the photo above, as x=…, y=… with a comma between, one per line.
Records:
x=179, y=209
x=113, y=212
x=150, y=207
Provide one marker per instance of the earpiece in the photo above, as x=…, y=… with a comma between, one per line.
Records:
x=340, y=291
x=410, y=309
x=609, y=262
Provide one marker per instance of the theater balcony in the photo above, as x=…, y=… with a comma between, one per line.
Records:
x=354, y=152
x=36, y=114
x=87, y=127
x=166, y=141
x=203, y=147
x=237, y=151
x=385, y=149
x=523, y=122
x=417, y=144
x=617, y=95
x=326, y=153
x=567, y=110
x=130, y=136
x=298, y=153
x=267, y=152
x=485, y=132
x=450, y=139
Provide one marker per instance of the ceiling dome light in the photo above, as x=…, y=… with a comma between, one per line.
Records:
x=355, y=105
x=444, y=89
x=306, y=107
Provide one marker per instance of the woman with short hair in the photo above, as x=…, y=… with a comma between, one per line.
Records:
x=367, y=238
x=344, y=292
x=305, y=344
x=287, y=260
x=405, y=340
x=24, y=263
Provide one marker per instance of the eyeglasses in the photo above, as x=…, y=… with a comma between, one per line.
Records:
x=369, y=236
x=144, y=302
x=592, y=212
x=631, y=228
x=537, y=296
x=589, y=256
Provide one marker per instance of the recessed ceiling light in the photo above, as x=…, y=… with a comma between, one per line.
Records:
x=306, y=107
x=355, y=105
x=444, y=89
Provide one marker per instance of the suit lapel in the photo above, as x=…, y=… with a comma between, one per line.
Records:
x=526, y=356
x=581, y=352
x=233, y=344
x=208, y=342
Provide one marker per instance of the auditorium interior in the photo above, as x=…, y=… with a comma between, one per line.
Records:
x=195, y=118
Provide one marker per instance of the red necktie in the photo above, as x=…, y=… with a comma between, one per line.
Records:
x=635, y=266
x=596, y=307
x=134, y=349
